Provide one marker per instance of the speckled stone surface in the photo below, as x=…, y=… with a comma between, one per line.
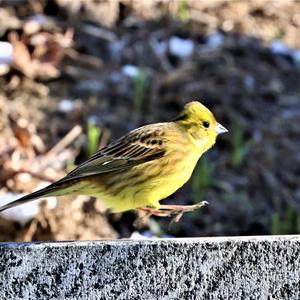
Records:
x=210, y=268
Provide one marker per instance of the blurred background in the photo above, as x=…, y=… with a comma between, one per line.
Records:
x=75, y=75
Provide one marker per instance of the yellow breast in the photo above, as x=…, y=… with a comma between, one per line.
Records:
x=148, y=183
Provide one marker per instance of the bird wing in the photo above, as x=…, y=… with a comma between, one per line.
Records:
x=139, y=146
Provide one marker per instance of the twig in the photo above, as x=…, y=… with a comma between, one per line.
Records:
x=64, y=142
x=99, y=33
x=35, y=175
x=31, y=230
x=166, y=66
x=84, y=58
x=104, y=138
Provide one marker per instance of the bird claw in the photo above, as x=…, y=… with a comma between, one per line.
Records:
x=174, y=211
x=178, y=212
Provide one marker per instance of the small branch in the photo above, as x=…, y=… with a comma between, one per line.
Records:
x=35, y=175
x=64, y=142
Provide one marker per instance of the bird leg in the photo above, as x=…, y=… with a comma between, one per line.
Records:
x=182, y=208
x=172, y=210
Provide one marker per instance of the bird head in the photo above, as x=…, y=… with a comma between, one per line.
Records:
x=200, y=123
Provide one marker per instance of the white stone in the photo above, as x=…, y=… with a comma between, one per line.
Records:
x=25, y=212
x=6, y=53
x=182, y=48
x=215, y=40
x=66, y=105
x=130, y=70
x=279, y=47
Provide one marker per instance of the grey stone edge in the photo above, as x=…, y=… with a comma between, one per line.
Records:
x=266, y=267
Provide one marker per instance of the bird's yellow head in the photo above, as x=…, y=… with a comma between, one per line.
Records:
x=200, y=123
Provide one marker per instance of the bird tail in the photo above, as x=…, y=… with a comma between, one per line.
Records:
x=51, y=190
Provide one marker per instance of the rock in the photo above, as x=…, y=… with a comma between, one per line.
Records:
x=206, y=268
x=181, y=48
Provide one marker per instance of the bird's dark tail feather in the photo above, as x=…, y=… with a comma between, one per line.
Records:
x=45, y=192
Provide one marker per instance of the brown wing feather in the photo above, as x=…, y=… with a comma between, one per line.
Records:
x=137, y=147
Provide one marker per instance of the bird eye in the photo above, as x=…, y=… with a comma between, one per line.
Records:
x=205, y=124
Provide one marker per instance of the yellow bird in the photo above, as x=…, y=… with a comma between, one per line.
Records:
x=143, y=167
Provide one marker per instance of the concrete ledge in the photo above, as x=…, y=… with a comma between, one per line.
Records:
x=208, y=268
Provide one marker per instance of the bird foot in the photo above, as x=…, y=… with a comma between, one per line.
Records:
x=176, y=211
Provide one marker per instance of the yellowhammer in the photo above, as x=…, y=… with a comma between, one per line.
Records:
x=143, y=167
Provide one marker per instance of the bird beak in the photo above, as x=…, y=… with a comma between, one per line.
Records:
x=220, y=129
